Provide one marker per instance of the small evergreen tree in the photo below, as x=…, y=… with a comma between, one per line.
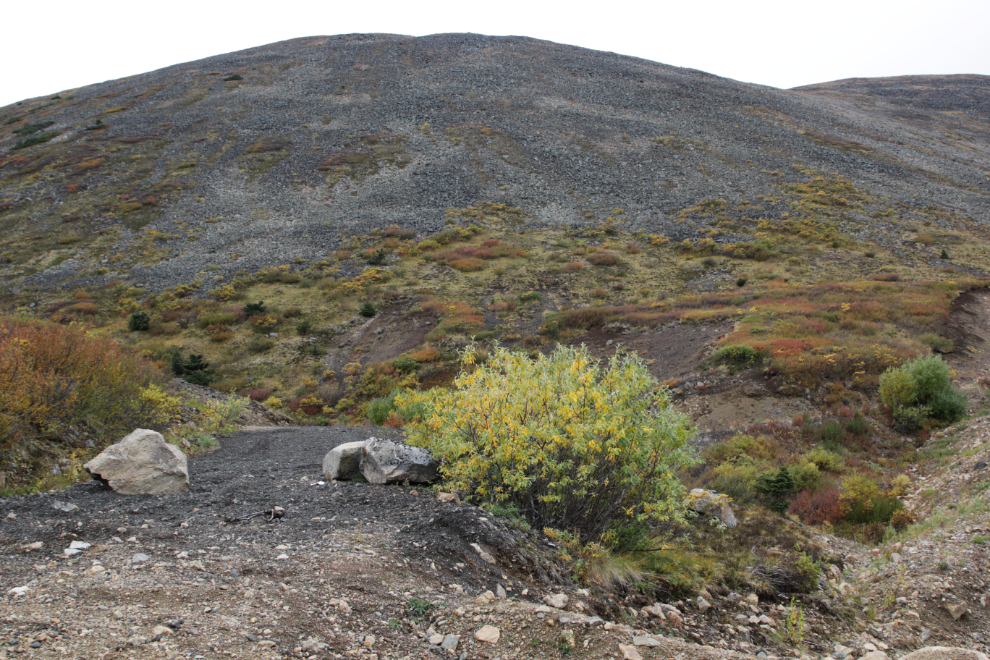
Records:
x=368, y=310
x=255, y=309
x=776, y=488
x=138, y=322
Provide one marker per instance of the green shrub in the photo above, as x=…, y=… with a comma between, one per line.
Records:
x=260, y=344
x=572, y=444
x=204, y=321
x=138, y=322
x=825, y=460
x=28, y=129
x=806, y=476
x=368, y=310
x=233, y=77
x=405, y=364
x=831, y=433
x=737, y=356
x=381, y=409
x=921, y=390
x=304, y=326
x=530, y=296
x=38, y=138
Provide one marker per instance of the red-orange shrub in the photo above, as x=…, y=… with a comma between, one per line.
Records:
x=53, y=377
x=817, y=508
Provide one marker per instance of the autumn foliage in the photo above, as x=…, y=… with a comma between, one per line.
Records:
x=55, y=377
x=571, y=443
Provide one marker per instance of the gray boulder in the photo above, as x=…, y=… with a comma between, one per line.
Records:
x=141, y=464
x=343, y=461
x=712, y=504
x=388, y=462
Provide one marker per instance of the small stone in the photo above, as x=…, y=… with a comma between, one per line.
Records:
x=703, y=605
x=436, y=639
x=645, y=640
x=450, y=642
x=369, y=641
x=487, y=634
x=753, y=600
x=629, y=652
x=500, y=592
x=448, y=497
x=163, y=631
x=556, y=600
x=957, y=610
x=28, y=547
x=139, y=557
x=846, y=589
x=485, y=556
x=485, y=598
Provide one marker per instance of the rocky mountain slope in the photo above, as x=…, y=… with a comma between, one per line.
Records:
x=272, y=154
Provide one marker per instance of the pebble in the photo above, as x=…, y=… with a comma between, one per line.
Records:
x=488, y=634
x=139, y=558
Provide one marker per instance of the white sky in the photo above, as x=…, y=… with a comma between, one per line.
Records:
x=58, y=45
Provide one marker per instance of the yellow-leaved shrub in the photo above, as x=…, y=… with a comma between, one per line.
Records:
x=571, y=443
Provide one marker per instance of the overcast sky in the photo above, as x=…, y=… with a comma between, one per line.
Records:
x=58, y=45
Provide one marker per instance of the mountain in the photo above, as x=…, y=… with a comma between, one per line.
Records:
x=273, y=154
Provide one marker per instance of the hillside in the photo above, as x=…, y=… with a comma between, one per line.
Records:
x=272, y=154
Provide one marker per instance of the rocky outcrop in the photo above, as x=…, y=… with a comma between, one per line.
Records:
x=388, y=462
x=713, y=505
x=142, y=464
x=343, y=461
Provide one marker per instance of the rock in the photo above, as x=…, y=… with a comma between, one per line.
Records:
x=568, y=641
x=487, y=634
x=449, y=642
x=957, y=610
x=388, y=462
x=80, y=545
x=753, y=600
x=161, y=631
x=139, y=558
x=945, y=653
x=448, y=497
x=556, y=600
x=28, y=547
x=874, y=655
x=18, y=591
x=313, y=645
x=142, y=464
x=645, y=640
x=64, y=507
x=846, y=589
x=629, y=652
x=485, y=556
x=436, y=639
x=485, y=598
x=500, y=592
x=343, y=462
x=703, y=605
x=655, y=611
x=712, y=504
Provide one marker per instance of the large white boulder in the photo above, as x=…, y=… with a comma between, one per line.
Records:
x=142, y=464
x=343, y=461
x=388, y=462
